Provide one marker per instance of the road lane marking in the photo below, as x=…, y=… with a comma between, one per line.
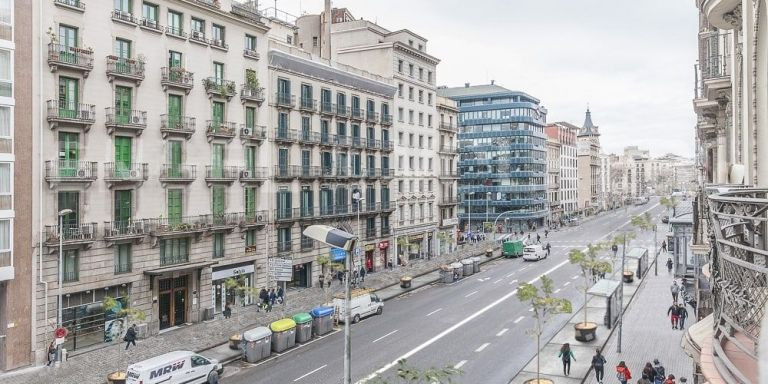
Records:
x=510, y=275
x=385, y=335
x=497, y=281
x=530, y=309
x=459, y=364
x=480, y=348
x=556, y=290
x=519, y=319
x=575, y=277
x=472, y=293
x=435, y=311
x=503, y=331
x=309, y=373
x=566, y=283
x=456, y=326
x=513, y=282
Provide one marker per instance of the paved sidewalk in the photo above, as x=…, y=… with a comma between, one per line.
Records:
x=93, y=366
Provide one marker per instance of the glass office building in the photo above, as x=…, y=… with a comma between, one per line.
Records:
x=502, y=158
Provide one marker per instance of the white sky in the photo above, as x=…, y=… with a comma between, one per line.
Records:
x=631, y=61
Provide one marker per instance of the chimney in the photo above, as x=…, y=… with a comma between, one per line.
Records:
x=466, y=85
x=325, y=43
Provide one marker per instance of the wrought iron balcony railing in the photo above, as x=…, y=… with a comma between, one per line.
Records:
x=177, y=77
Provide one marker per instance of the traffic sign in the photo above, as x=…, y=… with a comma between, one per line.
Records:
x=280, y=269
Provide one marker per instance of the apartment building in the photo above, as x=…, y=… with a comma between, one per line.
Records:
x=153, y=168
x=588, y=151
x=403, y=57
x=448, y=110
x=565, y=133
x=553, y=179
x=502, y=157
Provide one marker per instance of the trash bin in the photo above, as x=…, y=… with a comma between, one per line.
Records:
x=476, y=263
x=446, y=274
x=256, y=344
x=303, y=327
x=458, y=270
x=322, y=322
x=489, y=252
x=469, y=268
x=283, y=334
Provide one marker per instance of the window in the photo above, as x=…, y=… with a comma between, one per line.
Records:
x=400, y=66
x=429, y=182
x=421, y=72
x=411, y=184
x=410, y=70
x=218, y=245
x=429, y=164
x=314, y=41
x=283, y=239
x=6, y=198
x=421, y=96
x=5, y=243
x=218, y=72
x=69, y=200
x=175, y=23
x=421, y=118
x=307, y=201
x=6, y=20
x=400, y=138
x=198, y=27
x=410, y=140
x=410, y=42
x=68, y=36
x=429, y=142
x=174, y=251
x=218, y=201
x=401, y=209
x=429, y=77
x=429, y=210
x=122, y=258
x=250, y=238
x=421, y=47
x=400, y=90
x=410, y=116
x=5, y=129
x=421, y=163
x=217, y=34
x=400, y=186
x=306, y=242
x=400, y=115
x=411, y=163
x=250, y=202
x=123, y=48
x=429, y=98
x=410, y=93
x=175, y=205
x=421, y=185
x=149, y=12
x=400, y=162
x=421, y=141
x=250, y=42
x=123, y=5
x=71, y=265
x=429, y=120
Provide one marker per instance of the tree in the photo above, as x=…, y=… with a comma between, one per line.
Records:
x=544, y=305
x=238, y=286
x=669, y=203
x=121, y=309
x=404, y=243
x=589, y=265
x=445, y=238
x=412, y=375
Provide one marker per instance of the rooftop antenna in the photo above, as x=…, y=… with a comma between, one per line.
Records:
x=275, y=9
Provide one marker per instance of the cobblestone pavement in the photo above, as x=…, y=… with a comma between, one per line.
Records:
x=648, y=333
x=93, y=367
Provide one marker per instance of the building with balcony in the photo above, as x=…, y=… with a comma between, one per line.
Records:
x=448, y=110
x=565, y=133
x=502, y=157
x=588, y=152
x=553, y=179
x=155, y=165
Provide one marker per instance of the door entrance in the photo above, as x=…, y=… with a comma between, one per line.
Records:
x=172, y=301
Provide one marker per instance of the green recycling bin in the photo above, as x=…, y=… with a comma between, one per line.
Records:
x=283, y=334
x=303, y=327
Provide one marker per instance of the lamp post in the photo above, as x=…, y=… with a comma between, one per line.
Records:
x=487, y=207
x=621, y=291
x=337, y=238
x=357, y=196
x=656, y=253
x=59, y=317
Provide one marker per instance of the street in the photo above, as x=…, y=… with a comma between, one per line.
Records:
x=477, y=324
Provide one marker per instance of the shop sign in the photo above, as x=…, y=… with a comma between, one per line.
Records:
x=338, y=255
x=234, y=271
x=384, y=244
x=451, y=221
x=280, y=269
x=370, y=247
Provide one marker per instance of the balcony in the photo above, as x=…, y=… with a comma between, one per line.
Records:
x=70, y=114
x=221, y=174
x=220, y=130
x=174, y=226
x=387, y=173
x=327, y=109
x=251, y=93
x=247, y=11
x=124, y=174
x=219, y=87
x=151, y=25
x=72, y=58
x=177, y=33
x=307, y=212
x=255, y=134
x=372, y=117
x=253, y=219
x=284, y=246
x=720, y=13
x=387, y=146
x=448, y=200
x=370, y=233
x=386, y=231
x=309, y=172
x=448, y=127
x=284, y=135
x=357, y=114
x=739, y=273
x=386, y=119
x=343, y=141
x=74, y=5
x=178, y=173
x=253, y=175
x=342, y=111
x=372, y=144
x=251, y=54
x=286, y=171
x=198, y=37
x=125, y=120
x=308, y=105
x=178, y=78
x=71, y=234
x=371, y=173
x=177, y=125
x=449, y=175
x=125, y=69
x=65, y=171
x=285, y=214
x=285, y=100
x=327, y=139
x=447, y=149
x=219, y=44
x=357, y=142
x=218, y=221
x=309, y=138
x=124, y=17
x=124, y=230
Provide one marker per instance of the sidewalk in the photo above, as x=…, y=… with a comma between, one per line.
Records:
x=212, y=336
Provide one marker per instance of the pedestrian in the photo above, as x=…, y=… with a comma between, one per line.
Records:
x=644, y=380
x=664, y=246
x=682, y=314
x=546, y=233
x=566, y=355
x=648, y=371
x=538, y=238
x=670, y=379
x=362, y=274
x=340, y=276
x=669, y=264
x=548, y=247
x=658, y=370
x=130, y=336
x=672, y=313
x=622, y=373
x=264, y=297
x=598, y=364
x=280, y=295
x=272, y=297
x=329, y=282
x=675, y=290
x=51, y=354
x=321, y=279
x=227, y=311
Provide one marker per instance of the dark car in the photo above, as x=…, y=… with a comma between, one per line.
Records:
x=665, y=219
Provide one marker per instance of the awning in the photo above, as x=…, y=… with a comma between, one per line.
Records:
x=604, y=288
x=695, y=335
x=180, y=267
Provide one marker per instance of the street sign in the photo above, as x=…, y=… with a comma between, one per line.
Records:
x=357, y=251
x=280, y=269
x=338, y=255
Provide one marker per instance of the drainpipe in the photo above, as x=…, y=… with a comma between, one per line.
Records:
x=40, y=183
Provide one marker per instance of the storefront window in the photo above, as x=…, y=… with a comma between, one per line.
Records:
x=84, y=317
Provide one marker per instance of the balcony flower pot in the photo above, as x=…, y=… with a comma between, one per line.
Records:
x=405, y=282
x=117, y=377
x=585, y=332
x=629, y=277
x=234, y=341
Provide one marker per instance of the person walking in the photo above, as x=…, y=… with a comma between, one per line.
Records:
x=538, y=238
x=648, y=372
x=130, y=336
x=227, y=311
x=598, y=364
x=362, y=274
x=272, y=297
x=280, y=295
x=644, y=380
x=320, y=279
x=675, y=290
x=546, y=234
x=669, y=264
x=672, y=313
x=659, y=372
x=622, y=373
x=670, y=379
x=548, y=248
x=682, y=314
x=566, y=355
x=264, y=297
x=51, y=354
x=664, y=246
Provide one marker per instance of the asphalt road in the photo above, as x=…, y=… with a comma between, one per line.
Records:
x=476, y=324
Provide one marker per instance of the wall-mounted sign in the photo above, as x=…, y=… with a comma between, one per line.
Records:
x=280, y=269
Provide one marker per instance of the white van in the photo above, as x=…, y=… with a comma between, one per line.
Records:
x=534, y=252
x=175, y=368
x=364, y=303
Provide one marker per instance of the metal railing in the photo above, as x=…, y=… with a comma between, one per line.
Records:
x=178, y=32
x=123, y=228
x=178, y=172
x=171, y=225
x=177, y=76
x=226, y=129
x=327, y=108
x=221, y=87
x=250, y=92
x=449, y=127
x=222, y=219
x=372, y=117
x=71, y=233
x=151, y=24
x=126, y=117
x=308, y=104
x=357, y=113
x=285, y=134
x=387, y=145
x=253, y=173
x=71, y=3
x=74, y=57
x=253, y=218
x=61, y=110
x=225, y=173
x=126, y=172
x=177, y=123
x=119, y=66
x=68, y=170
x=120, y=15
x=342, y=111
x=285, y=99
x=386, y=119
x=257, y=132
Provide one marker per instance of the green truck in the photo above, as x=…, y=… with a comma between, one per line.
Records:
x=512, y=248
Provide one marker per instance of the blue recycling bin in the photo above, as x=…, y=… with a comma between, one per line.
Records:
x=322, y=321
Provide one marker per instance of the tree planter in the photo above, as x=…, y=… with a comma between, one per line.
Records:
x=629, y=277
x=539, y=381
x=234, y=341
x=489, y=252
x=405, y=282
x=116, y=377
x=585, y=332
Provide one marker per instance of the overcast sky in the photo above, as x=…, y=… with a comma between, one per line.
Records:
x=631, y=61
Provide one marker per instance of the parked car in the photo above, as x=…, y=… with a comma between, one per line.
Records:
x=175, y=367
x=534, y=252
x=364, y=303
x=665, y=219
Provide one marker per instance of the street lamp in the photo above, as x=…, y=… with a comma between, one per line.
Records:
x=487, y=207
x=60, y=318
x=337, y=238
x=357, y=196
x=656, y=253
x=621, y=291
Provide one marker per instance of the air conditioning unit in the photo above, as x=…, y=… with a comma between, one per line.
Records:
x=246, y=131
x=136, y=119
x=198, y=35
x=259, y=218
x=85, y=114
x=134, y=173
x=245, y=174
x=82, y=172
x=218, y=42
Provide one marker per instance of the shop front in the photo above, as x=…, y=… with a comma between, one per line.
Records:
x=176, y=295
x=370, y=265
x=415, y=246
x=88, y=323
x=228, y=283
x=302, y=276
x=384, y=254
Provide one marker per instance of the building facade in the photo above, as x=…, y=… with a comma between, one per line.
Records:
x=588, y=150
x=553, y=179
x=448, y=112
x=568, y=189
x=502, y=157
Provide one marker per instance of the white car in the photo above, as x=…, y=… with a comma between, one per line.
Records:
x=364, y=303
x=178, y=367
x=534, y=252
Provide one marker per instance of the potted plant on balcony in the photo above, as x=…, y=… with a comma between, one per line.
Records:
x=251, y=79
x=590, y=266
x=120, y=316
x=543, y=305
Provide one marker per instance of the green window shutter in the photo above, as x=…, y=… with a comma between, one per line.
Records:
x=219, y=200
x=174, y=110
x=218, y=112
x=174, y=159
x=69, y=153
x=123, y=105
x=250, y=158
x=123, y=159
x=250, y=201
x=68, y=97
x=250, y=117
x=174, y=206
x=218, y=160
x=70, y=200
x=122, y=208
